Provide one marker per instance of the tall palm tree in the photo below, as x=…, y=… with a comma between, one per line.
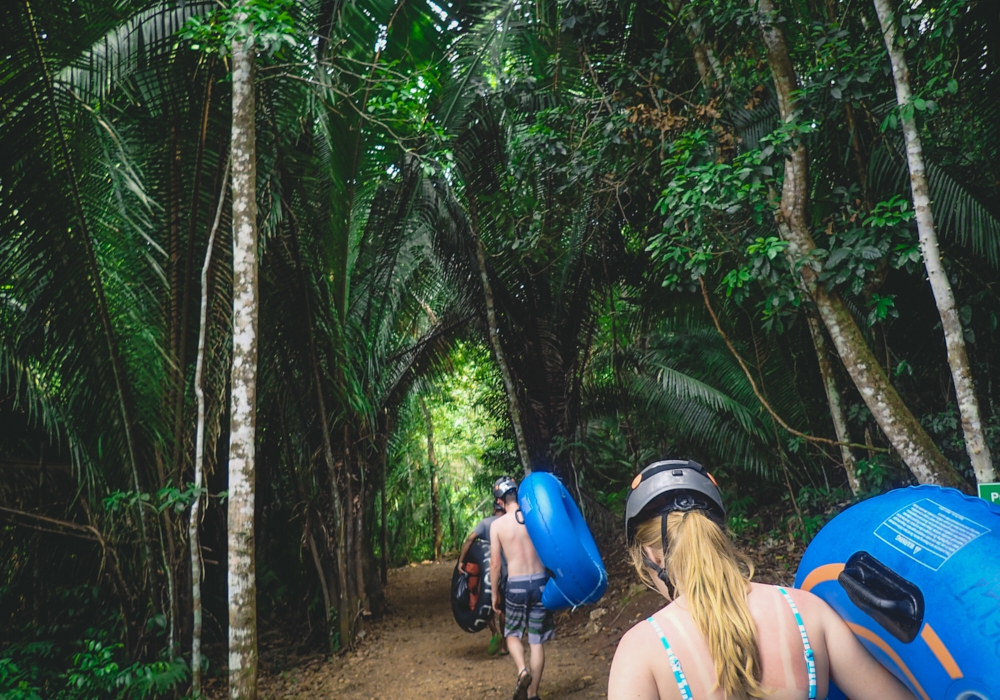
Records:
x=536, y=229
x=355, y=302
x=89, y=243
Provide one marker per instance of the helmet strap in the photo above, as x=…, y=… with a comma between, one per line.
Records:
x=661, y=573
x=657, y=569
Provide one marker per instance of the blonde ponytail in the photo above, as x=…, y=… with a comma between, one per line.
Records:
x=703, y=564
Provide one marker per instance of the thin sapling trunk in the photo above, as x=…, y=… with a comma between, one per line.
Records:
x=833, y=400
x=194, y=536
x=493, y=331
x=432, y=463
x=958, y=358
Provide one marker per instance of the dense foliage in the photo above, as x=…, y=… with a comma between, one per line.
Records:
x=626, y=168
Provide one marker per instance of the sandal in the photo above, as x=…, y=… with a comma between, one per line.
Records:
x=523, y=681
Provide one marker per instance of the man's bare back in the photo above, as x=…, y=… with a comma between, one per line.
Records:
x=512, y=537
x=525, y=614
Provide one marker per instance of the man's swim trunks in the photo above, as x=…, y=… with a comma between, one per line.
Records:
x=523, y=603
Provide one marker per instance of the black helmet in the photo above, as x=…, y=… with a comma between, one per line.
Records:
x=670, y=485
x=503, y=486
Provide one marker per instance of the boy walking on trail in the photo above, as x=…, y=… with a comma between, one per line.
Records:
x=523, y=600
x=482, y=532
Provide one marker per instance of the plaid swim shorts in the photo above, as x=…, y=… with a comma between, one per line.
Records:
x=523, y=603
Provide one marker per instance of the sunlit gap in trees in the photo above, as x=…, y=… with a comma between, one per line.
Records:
x=471, y=448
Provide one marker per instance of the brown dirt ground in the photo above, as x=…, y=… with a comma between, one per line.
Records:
x=418, y=652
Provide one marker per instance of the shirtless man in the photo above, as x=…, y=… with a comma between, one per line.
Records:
x=526, y=578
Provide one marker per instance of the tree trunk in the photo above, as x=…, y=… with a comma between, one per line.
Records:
x=194, y=536
x=243, y=414
x=361, y=543
x=168, y=552
x=709, y=68
x=494, y=334
x=958, y=359
x=346, y=529
x=834, y=402
x=176, y=393
x=384, y=524
x=358, y=524
x=432, y=462
x=901, y=428
x=320, y=573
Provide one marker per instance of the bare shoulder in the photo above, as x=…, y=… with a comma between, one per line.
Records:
x=643, y=637
x=638, y=637
x=501, y=524
x=631, y=675
x=804, y=600
x=810, y=604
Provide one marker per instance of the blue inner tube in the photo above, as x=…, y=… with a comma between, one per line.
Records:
x=563, y=541
x=916, y=574
x=473, y=617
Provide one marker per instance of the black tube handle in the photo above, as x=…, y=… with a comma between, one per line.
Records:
x=853, y=582
x=893, y=602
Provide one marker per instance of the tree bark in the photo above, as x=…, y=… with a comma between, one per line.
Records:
x=493, y=332
x=168, y=553
x=432, y=462
x=194, y=536
x=176, y=393
x=384, y=525
x=898, y=424
x=361, y=542
x=320, y=573
x=958, y=359
x=834, y=402
x=347, y=593
x=709, y=68
x=243, y=413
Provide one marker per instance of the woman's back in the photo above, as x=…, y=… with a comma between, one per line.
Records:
x=642, y=667
x=724, y=635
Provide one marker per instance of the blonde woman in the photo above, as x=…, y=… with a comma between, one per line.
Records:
x=723, y=637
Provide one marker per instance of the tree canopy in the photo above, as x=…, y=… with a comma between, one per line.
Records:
x=491, y=236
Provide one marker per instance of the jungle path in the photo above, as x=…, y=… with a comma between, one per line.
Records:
x=417, y=651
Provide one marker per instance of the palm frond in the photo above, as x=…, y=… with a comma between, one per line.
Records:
x=128, y=47
x=960, y=216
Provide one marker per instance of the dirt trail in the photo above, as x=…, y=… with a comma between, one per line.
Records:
x=417, y=651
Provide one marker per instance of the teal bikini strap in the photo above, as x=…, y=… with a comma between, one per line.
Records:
x=675, y=665
x=810, y=660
